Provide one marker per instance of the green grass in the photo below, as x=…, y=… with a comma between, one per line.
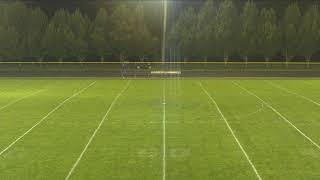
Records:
x=129, y=142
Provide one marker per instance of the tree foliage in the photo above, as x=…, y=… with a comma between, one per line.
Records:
x=183, y=34
x=249, y=30
x=226, y=28
x=130, y=34
x=53, y=37
x=205, y=38
x=125, y=31
x=79, y=26
x=292, y=36
x=99, y=34
x=268, y=33
x=309, y=30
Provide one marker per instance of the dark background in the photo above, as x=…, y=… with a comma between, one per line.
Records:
x=153, y=8
x=90, y=6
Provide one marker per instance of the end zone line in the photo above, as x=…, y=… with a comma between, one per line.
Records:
x=96, y=131
x=20, y=99
x=231, y=131
x=294, y=93
x=164, y=131
x=279, y=114
x=44, y=118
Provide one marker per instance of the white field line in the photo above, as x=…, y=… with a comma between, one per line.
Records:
x=96, y=131
x=164, y=132
x=294, y=93
x=20, y=99
x=232, y=133
x=252, y=113
x=279, y=114
x=44, y=118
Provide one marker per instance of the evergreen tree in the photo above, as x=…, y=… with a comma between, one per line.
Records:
x=143, y=40
x=100, y=34
x=226, y=28
x=59, y=41
x=309, y=31
x=130, y=34
x=249, y=29
x=79, y=25
x=292, y=36
x=3, y=15
x=268, y=33
x=183, y=34
x=8, y=43
x=205, y=30
x=16, y=20
x=37, y=23
x=121, y=33
x=61, y=19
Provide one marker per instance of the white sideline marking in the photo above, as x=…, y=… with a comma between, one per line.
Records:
x=96, y=130
x=290, y=92
x=230, y=129
x=45, y=117
x=20, y=99
x=164, y=131
x=279, y=114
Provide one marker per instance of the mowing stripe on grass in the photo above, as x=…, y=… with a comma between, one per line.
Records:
x=164, y=132
x=279, y=114
x=20, y=99
x=306, y=82
x=290, y=92
x=96, y=130
x=231, y=131
x=45, y=117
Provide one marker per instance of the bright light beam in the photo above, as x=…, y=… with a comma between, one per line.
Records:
x=163, y=52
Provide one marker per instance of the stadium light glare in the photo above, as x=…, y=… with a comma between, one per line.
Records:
x=163, y=51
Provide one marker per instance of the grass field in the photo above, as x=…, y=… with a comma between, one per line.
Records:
x=170, y=129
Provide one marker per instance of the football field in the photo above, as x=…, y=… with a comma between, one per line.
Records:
x=159, y=129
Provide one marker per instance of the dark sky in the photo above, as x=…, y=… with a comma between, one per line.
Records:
x=90, y=6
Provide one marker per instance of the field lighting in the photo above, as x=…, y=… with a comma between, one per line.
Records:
x=103, y=89
x=163, y=51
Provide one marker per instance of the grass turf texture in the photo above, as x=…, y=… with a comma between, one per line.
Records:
x=129, y=143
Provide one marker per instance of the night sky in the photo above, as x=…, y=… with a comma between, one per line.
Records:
x=91, y=6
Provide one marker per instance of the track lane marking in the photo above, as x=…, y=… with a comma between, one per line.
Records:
x=279, y=114
x=96, y=131
x=45, y=117
x=291, y=92
x=231, y=131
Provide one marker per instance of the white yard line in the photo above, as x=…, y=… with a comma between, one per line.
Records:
x=279, y=114
x=164, y=131
x=232, y=133
x=44, y=118
x=96, y=131
x=294, y=93
x=20, y=99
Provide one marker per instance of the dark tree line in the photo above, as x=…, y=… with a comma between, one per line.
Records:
x=249, y=33
x=215, y=31
x=28, y=34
